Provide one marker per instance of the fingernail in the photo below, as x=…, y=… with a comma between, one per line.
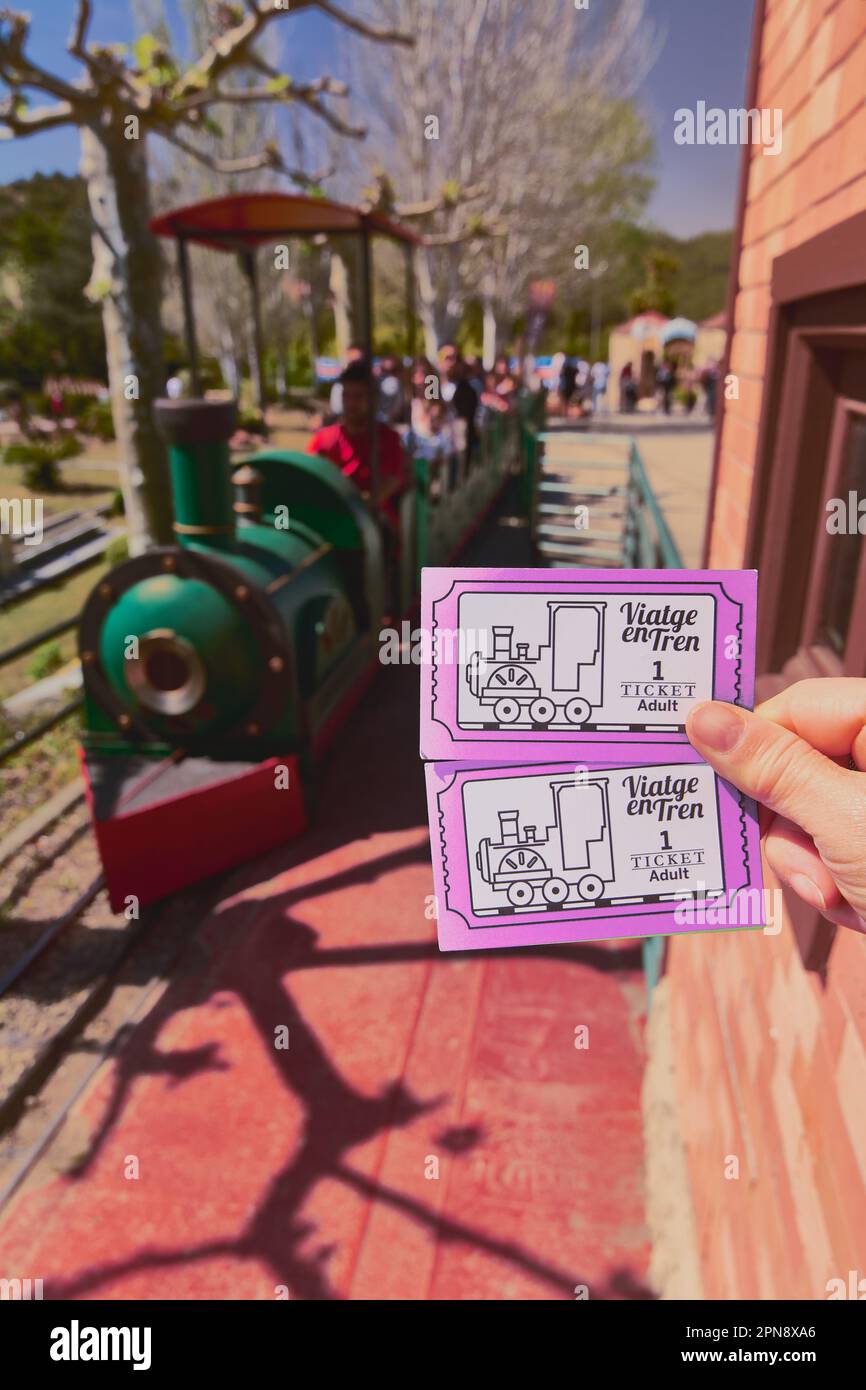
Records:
x=808, y=891
x=716, y=725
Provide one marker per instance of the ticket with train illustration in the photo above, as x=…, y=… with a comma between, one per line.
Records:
x=532, y=854
x=534, y=663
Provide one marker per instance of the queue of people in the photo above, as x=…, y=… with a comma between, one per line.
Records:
x=432, y=411
x=436, y=411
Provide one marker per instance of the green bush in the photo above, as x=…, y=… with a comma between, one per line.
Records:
x=39, y=459
x=42, y=475
x=19, y=453
x=96, y=419
x=69, y=446
x=252, y=421
x=117, y=506
x=45, y=661
x=39, y=471
x=117, y=551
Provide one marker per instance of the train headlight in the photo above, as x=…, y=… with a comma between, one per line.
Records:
x=168, y=675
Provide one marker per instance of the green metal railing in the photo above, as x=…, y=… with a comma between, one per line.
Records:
x=531, y=416
x=500, y=441
x=649, y=543
x=635, y=537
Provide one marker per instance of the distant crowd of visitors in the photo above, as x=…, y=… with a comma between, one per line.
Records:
x=579, y=383
x=671, y=377
x=580, y=386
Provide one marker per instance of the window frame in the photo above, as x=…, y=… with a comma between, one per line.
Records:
x=853, y=661
x=817, y=323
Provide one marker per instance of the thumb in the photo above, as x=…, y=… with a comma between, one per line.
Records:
x=775, y=767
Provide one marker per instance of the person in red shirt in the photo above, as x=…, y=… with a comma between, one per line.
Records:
x=347, y=443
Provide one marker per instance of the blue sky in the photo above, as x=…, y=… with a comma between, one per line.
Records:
x=703, y=56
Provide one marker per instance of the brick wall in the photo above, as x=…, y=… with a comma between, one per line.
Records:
x=813, y=68
x=771, y=1059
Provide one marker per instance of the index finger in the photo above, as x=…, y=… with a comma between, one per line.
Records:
x=829, y=713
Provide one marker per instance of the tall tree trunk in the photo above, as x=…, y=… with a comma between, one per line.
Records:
x=310, y=311
x=115, y=171
x=427, y=304
x=488, y=351
x=257, y=380
x=282, y=371
x=338, y=283
x=229, y=369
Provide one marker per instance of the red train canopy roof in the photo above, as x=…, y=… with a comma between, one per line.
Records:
x=246, y=220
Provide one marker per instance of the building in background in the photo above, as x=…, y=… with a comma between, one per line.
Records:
x=711, y=339
x=645, y=340
x=769, y=1032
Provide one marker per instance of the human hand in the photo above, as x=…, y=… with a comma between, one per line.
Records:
x=797, y=756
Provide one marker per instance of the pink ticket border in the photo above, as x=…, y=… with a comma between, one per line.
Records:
x=735, y=592
x=460, y=929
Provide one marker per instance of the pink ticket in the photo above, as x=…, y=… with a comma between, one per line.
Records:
x=592, y=663
x=528, y=854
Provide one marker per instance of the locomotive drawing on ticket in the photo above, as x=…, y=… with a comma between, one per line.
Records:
x=596, y=657
x=569, y=853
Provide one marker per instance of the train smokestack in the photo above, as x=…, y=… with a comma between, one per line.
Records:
x=508, y=831
x=502, y=643
x=198, y=434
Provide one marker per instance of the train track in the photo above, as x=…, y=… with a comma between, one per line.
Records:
x=74, y=987
x=11, y=976
x=57, y=941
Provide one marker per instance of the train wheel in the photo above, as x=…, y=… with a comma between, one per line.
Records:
x=519, y=894
x=506, y=711
x=555, y=890
x=590, y=887
x=578, y=711
x=542, y=711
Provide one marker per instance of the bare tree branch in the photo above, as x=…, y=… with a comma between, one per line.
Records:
x=17, y=70
x=468, y=234
x=430, y=205
x=225, y=49
x=222, y=53
x=17, y=122
x=360, y=26
x=306, y=95
x=329, y=86
x=108, y=72
x=268, y=158
x=355, y=132
x=78, y=37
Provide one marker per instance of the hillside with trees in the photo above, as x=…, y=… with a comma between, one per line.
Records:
x=46, y=322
